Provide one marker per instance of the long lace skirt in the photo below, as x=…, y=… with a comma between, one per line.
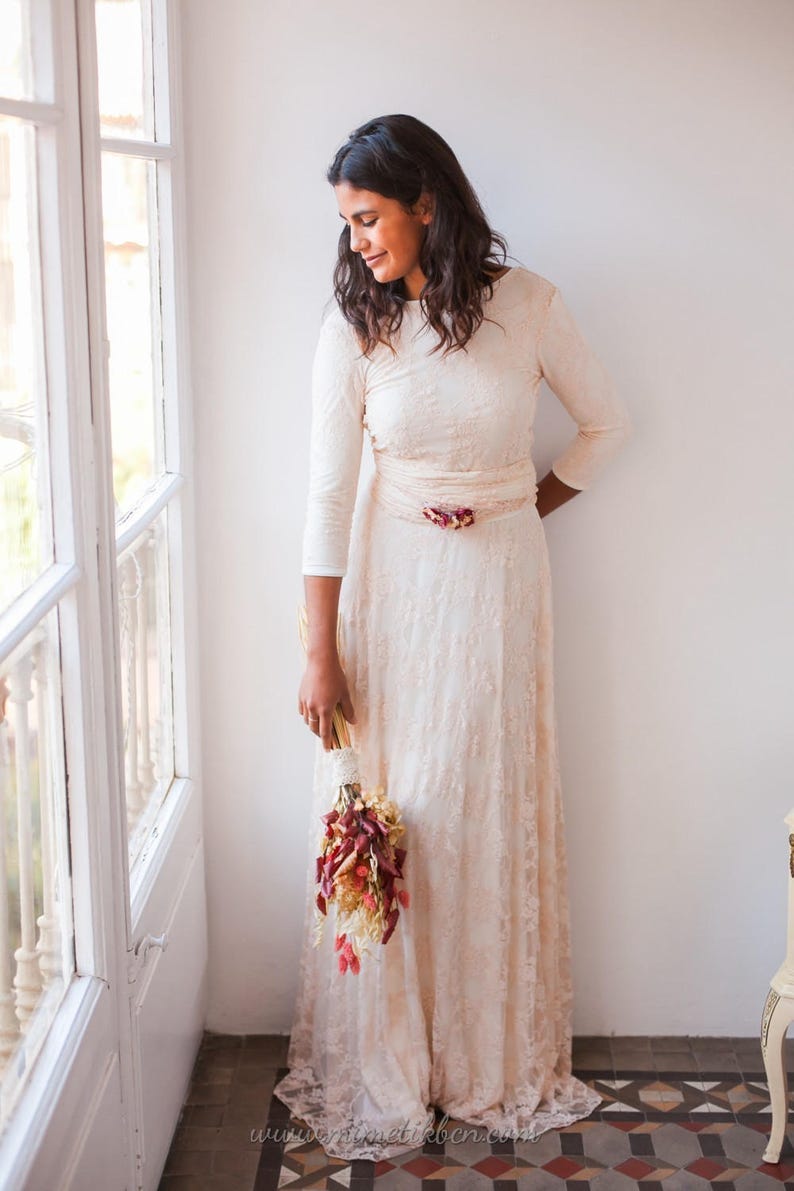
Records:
x=447, y=645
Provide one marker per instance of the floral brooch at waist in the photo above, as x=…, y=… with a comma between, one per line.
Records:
x=454, y=519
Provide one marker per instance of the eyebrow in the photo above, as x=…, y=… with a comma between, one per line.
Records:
x=355, y=215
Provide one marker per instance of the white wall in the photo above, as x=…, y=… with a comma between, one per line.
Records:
x=639, y=156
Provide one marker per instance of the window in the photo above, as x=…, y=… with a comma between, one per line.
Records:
x=139, y=269
x=94, y=723
x=38, y=550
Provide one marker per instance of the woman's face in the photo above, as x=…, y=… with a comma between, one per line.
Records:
x=387, y=237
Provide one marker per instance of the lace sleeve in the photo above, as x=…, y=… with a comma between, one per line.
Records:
x=578, y=378
x=336, y=439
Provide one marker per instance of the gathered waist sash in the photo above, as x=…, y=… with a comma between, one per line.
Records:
x=413, y=489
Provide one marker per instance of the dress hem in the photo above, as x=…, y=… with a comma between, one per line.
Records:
x=291, y=1090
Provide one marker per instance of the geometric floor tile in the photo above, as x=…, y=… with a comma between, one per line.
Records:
x=680, y=1114
x=711, y=1134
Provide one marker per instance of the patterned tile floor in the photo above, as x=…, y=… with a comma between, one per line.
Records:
x=684, y=1112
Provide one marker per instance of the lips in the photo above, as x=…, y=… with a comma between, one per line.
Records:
x=371, y=259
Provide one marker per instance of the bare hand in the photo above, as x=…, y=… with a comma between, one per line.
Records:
x=323, y=686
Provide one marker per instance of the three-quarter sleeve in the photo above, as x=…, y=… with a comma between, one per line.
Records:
x=337, y=432
x=579, y=379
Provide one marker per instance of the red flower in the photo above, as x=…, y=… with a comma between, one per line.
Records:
x=391, y=922
x=455, y=518
x=357, y=837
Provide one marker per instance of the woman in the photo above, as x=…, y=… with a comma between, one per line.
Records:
x=445, y=662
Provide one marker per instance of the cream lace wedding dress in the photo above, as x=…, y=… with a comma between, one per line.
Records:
x=447, y=648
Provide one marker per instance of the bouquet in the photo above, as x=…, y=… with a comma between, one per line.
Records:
x=360, y=860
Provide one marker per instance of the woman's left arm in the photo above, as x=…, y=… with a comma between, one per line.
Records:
x=578, y=378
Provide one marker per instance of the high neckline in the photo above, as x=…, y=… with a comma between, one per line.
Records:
x=415, y=302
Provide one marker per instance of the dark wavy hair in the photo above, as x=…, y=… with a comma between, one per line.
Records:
x=399, y=157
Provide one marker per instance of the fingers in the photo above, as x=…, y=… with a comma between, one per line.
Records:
x=321, y=722
x=313, y=720
x=325, y=730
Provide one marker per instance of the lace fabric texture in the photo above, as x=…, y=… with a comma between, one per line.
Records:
x=447, y=645
x=403, y=487
x=344, y=767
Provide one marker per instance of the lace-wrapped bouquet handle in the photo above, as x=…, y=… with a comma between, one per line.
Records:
x=360, y=859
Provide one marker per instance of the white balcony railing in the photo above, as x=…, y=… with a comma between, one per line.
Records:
x=36, y=926
x=146, y=680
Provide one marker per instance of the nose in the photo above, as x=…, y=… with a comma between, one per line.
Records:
x=357, y=241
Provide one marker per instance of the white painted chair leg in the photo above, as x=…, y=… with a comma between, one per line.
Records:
x=775, y=1020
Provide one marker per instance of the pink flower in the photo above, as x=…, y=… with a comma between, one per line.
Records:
x=391, y=922
x=369, y=901
x=456, y=517
x=339, y=942
x=342, y=963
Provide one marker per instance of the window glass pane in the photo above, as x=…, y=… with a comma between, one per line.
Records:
x=16, y=76
x=124, y=60
x=36, y=925
x=132, y=285
x=146, y=679
x=26, y=546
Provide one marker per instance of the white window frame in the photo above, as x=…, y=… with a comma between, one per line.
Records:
x=109, y=899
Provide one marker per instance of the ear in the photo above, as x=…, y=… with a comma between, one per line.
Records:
x=426, y=206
